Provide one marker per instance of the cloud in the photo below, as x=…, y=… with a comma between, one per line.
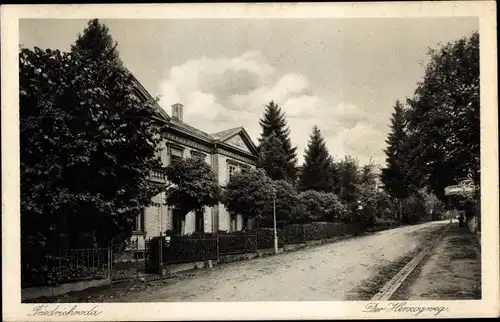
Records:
x=225, y=92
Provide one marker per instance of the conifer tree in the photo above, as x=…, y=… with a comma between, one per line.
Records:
x=273, y=158
x=274, y=121
x=317, y=169
x=394, y=175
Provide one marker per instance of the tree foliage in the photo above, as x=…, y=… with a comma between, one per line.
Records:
x=194, y=185
x=249, y=194
x=321, y=206
x=97, y=44
x=373, y=204
x=367, y=175
x=87, y=148
x=414, y=208
x=317, y=169
x=394, y=175
x=288, y=205
x=348, y=179
x=443, y=117
x=274, y=121
x=273, y=158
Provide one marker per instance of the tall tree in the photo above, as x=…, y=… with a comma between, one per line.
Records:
x=393, y=175
x=195, y=185
x=87, y=147
x=317, y=169
x=273, y=158
x=274, y=121
x=97, y=44
x=443, y=117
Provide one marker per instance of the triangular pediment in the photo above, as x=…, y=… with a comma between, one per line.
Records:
x=238, y=142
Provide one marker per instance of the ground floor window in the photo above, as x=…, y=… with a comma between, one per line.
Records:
x=177, y=221
x=199, y=223
x=138, y=223
x=232, y=224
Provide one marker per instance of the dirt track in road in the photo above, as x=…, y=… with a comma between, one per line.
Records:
x=325, y=273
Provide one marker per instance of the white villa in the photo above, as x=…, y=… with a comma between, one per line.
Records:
x=227, y=152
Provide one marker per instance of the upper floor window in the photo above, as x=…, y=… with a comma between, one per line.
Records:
x=232, y=170
x=175, y=155
x=197, y=154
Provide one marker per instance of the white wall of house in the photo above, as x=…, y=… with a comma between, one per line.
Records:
x=160, y=217
x=157, y=217
x=224, y=215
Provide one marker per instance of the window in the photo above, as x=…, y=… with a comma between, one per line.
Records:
x=176, y=221
x=232, y=224
x=138, y=223
x=199, y=224
x=232, y=169
x=175, y=155
x=197, y=154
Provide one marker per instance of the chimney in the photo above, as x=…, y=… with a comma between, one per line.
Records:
x=177, y=111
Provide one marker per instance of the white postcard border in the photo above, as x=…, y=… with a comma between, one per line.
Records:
x=488, y=306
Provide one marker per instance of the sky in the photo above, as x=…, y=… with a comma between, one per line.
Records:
x=343, y=75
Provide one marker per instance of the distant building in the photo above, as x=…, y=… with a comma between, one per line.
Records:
x=379, y=185
x=227, y=152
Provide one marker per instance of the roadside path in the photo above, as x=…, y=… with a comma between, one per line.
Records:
x=451, y=272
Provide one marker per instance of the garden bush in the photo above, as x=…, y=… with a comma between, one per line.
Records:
x=320, y=206
x=414, y=209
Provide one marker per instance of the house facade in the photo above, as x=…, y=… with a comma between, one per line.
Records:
x=227, y=152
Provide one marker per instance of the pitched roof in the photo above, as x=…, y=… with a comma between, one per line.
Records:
x=159, y=111
x=214, y=137
x=190, y=129
x=222, y=135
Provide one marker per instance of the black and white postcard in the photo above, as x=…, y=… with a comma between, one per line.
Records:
x=249, y=161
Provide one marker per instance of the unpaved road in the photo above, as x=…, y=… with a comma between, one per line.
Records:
x=328, y=272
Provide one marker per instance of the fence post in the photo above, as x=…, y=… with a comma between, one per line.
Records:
x=160, y=255
x=217, y=245
x=110, y=260
x=137, y=256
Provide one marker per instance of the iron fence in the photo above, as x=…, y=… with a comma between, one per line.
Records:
x=156, y=253
x=65, y=266
x=128, y=262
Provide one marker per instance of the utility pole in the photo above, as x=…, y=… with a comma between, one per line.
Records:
x=274, y=217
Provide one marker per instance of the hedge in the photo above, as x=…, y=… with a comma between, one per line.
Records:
x=296, y=234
